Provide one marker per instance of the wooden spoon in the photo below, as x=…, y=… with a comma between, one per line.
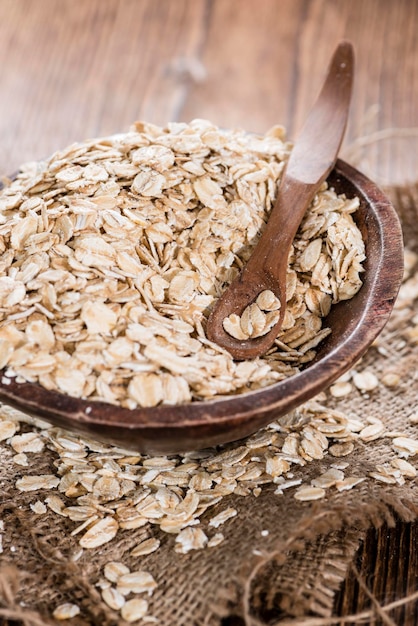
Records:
x=311, y=160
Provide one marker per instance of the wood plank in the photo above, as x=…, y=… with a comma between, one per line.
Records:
x=249, y=56
x=78, y=69
x=265, y=66
x=387, y=564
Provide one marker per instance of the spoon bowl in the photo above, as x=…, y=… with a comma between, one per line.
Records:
x=166, y=429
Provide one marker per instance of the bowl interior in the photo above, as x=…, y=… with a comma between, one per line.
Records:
x=168, y=429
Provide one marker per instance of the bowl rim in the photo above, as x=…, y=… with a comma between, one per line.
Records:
x=75, y=413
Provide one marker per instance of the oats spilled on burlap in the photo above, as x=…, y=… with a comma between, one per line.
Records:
x=281, y=537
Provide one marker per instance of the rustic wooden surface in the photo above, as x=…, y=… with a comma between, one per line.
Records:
x=73, y=69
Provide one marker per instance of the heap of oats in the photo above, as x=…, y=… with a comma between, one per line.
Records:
x=113, y=251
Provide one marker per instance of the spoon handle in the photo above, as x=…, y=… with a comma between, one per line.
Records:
x=311, y=160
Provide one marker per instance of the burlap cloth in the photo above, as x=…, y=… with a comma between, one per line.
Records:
x=282, y=576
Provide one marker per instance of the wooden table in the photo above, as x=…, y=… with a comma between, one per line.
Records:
x=73, y=69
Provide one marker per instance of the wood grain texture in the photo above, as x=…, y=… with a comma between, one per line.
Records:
x=387, y=564
x=73, y=69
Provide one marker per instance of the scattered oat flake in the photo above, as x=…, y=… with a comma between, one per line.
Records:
x=287, y=485
x=328, y=478
x=391, y=379
x=348, y=483
x=222, y=517
x=56, y=504
x=306, y=494
x=405, y=446
x=372, y=432
x=66, y=611
x=27, y=442
x=191, y=538
x=134, y=610
x=21, y=459
x=38, y=507
x=136, y=582
x=146, y=547
x=114, y=570
x=7, y=429
x=113, y=598
x=365, y=381
x=215, y=540
x=33, y=483
x=100, y=533
x=341, y=389
x=383, y=477
x=406, y=468
x=341, y=449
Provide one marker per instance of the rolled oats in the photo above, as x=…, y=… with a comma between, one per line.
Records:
x=114, y=570
x=306, y=494
x=372, y=432
x=34, y=483
x=365, y=381
x=328, y=478
x=349, y=482
x=101, y=532
x=27, y=442
x=118, y=248
x=134, y=610
x=146, y=547
x=215, y=540
x=7, y=429
x=405, y=446
x=341, y=449
x=390, y=379
x=341, y=389
x=222, y=517
x=113, y=598
x=191, y=538
x=38, y=507
x=136, y=582
x=66, y=611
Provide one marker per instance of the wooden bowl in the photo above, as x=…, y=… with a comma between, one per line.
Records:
x=169, y=429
